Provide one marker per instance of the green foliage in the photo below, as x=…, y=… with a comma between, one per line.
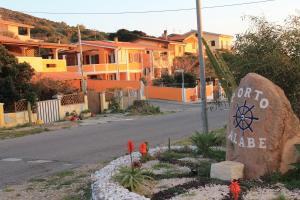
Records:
x=15, y=79
x=47, y=88
x=189, y=79
x=221, y=70
x=291, y=179
x=203, y=142
x=114, y=105
x=203, y=169
x=171, y=155
x=146, y=158
x=52, y=31
x=143, y=107
x=176, y=80
x=132, y=178
x=188, y=62
x=126, y=35
x=85, y=111
x=272, y=51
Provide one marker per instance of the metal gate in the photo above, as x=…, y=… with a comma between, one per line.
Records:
x=48, y=111
x=94, y=102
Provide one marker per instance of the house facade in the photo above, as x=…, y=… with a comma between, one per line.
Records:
x=106, y=60
x=42, y=56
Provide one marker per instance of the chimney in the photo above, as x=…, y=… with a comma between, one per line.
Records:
x=165, y=35
x=116, y=39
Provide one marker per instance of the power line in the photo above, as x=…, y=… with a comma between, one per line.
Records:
x=146, y=11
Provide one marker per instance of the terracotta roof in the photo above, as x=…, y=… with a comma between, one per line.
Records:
x=15, y=23
x=181, y=37
x=62, y=76
x=9, y=40
x=154, y=39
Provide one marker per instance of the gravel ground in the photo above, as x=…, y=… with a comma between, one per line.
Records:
x=66, y=185
x=211, y=192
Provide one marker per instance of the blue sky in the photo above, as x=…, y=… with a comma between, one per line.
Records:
x=221, y=20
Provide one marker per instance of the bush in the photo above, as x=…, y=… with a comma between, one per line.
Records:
x=203, y=142
x=272, y=51
x=46, y=88
x=114, y=106
x=143, y=107
x=132, y=178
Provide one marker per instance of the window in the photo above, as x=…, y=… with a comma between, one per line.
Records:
x=213, y=43
x=111, y=58
x=22, y=31
x=51, y=65
x=227, y=45
x=95, y=59
x=87, y=60
x=135, y=57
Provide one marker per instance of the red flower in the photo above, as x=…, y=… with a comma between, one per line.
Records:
x=143, y=149
x=235, y=189
x=130, y=146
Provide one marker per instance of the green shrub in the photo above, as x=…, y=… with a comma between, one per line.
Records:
x=203, y=142
x=143, y=107
x=133, y=178
x=203, y=169
x=114, y=106
x=85, y=111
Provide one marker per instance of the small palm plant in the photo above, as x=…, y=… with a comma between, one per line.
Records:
x=203, y=142
x=133, y=178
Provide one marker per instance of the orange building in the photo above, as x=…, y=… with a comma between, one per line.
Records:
x=110, y=60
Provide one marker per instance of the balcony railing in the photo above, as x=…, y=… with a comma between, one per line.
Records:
x=104, y=68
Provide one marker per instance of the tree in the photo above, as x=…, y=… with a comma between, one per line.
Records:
x=272, y=51
x=126, y=35
x=176, y=80
x=14, y=79
x=187, y=62
x=46, y=88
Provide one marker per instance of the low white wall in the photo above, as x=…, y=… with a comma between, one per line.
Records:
x=73, y=107
x=18, y=118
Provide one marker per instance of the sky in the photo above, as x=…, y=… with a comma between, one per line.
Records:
x=229, y=20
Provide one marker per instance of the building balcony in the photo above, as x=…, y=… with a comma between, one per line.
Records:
x=105, y=68
x=44, y=65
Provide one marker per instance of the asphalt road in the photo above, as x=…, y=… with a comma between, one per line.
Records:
x=22, y=159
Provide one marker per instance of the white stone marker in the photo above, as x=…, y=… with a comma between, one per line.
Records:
x=227, y=170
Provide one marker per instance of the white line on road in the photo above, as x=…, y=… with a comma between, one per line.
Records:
x=11, y=159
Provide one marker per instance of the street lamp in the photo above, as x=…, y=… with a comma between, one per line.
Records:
x=182, y=83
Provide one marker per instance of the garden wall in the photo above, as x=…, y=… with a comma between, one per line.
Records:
x=102, y=85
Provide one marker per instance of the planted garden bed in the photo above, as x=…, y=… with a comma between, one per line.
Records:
x=181, y=173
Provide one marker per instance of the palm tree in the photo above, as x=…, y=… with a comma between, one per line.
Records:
x=222, y=71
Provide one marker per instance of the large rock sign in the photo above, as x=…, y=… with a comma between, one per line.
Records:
x=262, y=128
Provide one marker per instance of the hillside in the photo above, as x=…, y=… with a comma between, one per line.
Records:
x=51, y=31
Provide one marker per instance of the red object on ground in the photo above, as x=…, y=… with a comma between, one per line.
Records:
x=130, y=146
x=235, y=189
x=143, y=149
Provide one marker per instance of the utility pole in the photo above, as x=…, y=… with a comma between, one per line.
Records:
x=202, y=69
x=83, y=83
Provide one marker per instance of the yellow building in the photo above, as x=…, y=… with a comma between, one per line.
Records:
x=15, y=30
x=190, y=39
x=42, y=56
